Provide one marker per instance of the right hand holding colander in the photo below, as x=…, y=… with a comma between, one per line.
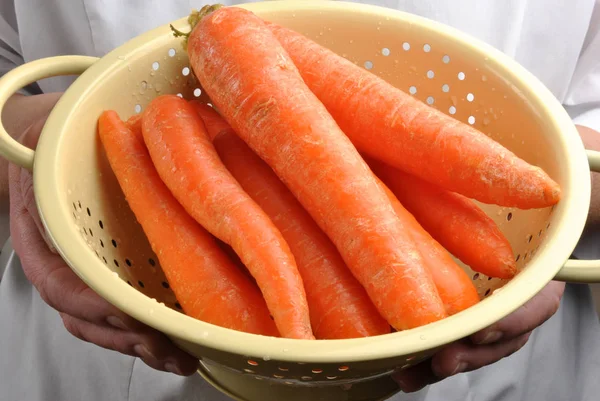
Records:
x=487, y=346
x=86, y=315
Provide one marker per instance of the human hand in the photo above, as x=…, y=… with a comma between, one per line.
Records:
x=487, y=346
x=85, y=314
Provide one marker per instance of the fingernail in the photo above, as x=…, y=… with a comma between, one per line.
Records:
x=143, y=352
x=490, y=337
x=173, y=368
x=116, y=322
x=460, y=367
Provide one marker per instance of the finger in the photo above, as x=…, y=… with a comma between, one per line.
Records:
x=416, y=377
x=57, y=284
x=154, y=349
x=529, y=316
x=464, y=356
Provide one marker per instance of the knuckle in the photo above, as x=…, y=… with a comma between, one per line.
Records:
x=72, y=326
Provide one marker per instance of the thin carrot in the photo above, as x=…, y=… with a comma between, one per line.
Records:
x=339, y=306
x=256, y=87
x=390, y=125
x=453, y=220
x=204, y=281
x=454, y=285
x=189, y=165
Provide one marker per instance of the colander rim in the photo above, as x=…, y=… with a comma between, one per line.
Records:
x=543, y=267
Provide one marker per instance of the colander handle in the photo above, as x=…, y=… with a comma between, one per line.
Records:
x=24, y=75
x=583, y=271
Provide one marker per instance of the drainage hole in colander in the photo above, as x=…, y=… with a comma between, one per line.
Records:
x=79, y=203
x=88, y=211
x=525, y=256
x=518, y=257
x=427, y=48
x=343, y=368
x=288, y=383
x=105, y=261
x=137, y=108
x=278, y=376
x=115, y=262
x=430, y=100
x=141, y=283
x=509, y=216
x=177, y=305
x=74, y=215
x=171, y=52
x=101, y=243
x=547, y=226
x=74, y=206
x=406, y=46
x=155, y=66
x=101, y=224
x=97, y=254
x=252, y=363
x=487, y=292
x=452, y=110
x=179, y=95
x=114, y=243
x=445, y=88
x=331, y=377
x=540, y=233
x=446, y=59
x=129, y=282
x=185, y=71
x=248, y=371
x=470, y=97
x=475, y=276
x=197, y=92
x=165, y=285
x=489, y=278
x=317, y=371
x=430, y=74
x=128, y=262
x=529, y=238
x=461, y=76
x=368, y=65
x=283, y=369
x=152, y=262
x=412, y=90
x=471, y=120
x=385, y=51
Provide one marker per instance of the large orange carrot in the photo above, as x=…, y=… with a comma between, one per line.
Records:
x=339, y=306
x=189, y=165
x=256, y=87
x=454, y=285
x=390, y=125
x=454, y=221
x=207, y=285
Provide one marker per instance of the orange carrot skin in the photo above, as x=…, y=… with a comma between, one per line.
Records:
x=390, y=125
x=190, y=167
x=256, y=87
x=453, y=220
x=454, y=285
x=339, y=306
x=207, y=285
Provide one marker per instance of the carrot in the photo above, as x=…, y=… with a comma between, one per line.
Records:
x=258, y=90
x=339, y=306
x=390, y=125
x=190, y=167
x=454, y=285
x=453, y=220
x=204, y=281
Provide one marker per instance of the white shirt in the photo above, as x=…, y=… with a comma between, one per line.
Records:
x=557, y=40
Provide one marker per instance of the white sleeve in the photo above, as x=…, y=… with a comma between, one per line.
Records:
x=582, y=101
x=10, y=46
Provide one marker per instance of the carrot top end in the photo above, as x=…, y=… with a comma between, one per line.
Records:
x=193, y=19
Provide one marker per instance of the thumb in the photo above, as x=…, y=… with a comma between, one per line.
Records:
x=21, y=180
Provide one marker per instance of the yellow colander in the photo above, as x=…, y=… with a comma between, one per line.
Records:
x=89, y=221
